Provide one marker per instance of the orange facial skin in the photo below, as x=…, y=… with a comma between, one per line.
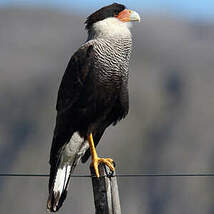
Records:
x=124, y=16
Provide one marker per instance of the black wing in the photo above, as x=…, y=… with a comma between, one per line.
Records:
x=74, y=78
x=74, y=81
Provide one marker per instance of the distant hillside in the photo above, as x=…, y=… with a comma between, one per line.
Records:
x=169, y=127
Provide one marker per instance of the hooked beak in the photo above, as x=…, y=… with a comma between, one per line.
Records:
x=128, y=16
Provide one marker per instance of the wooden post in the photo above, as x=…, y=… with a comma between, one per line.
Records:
x=106, y=195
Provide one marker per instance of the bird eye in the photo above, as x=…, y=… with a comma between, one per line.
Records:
x=116, y=12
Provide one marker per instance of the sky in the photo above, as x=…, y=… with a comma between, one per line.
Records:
x=194, y=9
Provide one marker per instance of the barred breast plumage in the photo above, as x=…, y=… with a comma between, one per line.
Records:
x=111, y=60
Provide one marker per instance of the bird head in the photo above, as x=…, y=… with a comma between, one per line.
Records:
x=111, y=17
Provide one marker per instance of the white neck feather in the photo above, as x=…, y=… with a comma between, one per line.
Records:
x=110, y=27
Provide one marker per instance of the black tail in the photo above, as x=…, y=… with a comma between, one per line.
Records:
x=58, y=187
x=63, y=160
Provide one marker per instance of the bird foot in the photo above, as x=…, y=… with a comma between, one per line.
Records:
x=107, y=161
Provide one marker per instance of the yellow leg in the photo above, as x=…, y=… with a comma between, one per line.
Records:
x=96, y=160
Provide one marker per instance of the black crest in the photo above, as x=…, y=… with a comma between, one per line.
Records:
x=105, y=12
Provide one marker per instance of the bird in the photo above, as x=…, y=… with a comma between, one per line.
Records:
x=93, y=95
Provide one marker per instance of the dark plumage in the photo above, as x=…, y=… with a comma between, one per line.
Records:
x=105, y=12
x=93, y=94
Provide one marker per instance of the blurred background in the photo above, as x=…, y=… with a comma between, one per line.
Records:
x=171, y=120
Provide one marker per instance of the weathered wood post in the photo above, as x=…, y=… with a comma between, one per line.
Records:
x=105, y=189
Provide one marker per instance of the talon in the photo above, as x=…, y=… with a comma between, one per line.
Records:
x=107, y=161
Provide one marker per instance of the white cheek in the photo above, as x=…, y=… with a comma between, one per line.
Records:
x=128, y=24
x=111, y=27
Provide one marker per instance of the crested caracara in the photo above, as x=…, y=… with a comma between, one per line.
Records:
x=93, y=95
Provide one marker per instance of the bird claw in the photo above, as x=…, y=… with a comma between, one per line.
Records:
x=110, y=173
x=107, y=161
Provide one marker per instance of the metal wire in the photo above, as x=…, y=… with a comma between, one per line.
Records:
x=117, y=175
